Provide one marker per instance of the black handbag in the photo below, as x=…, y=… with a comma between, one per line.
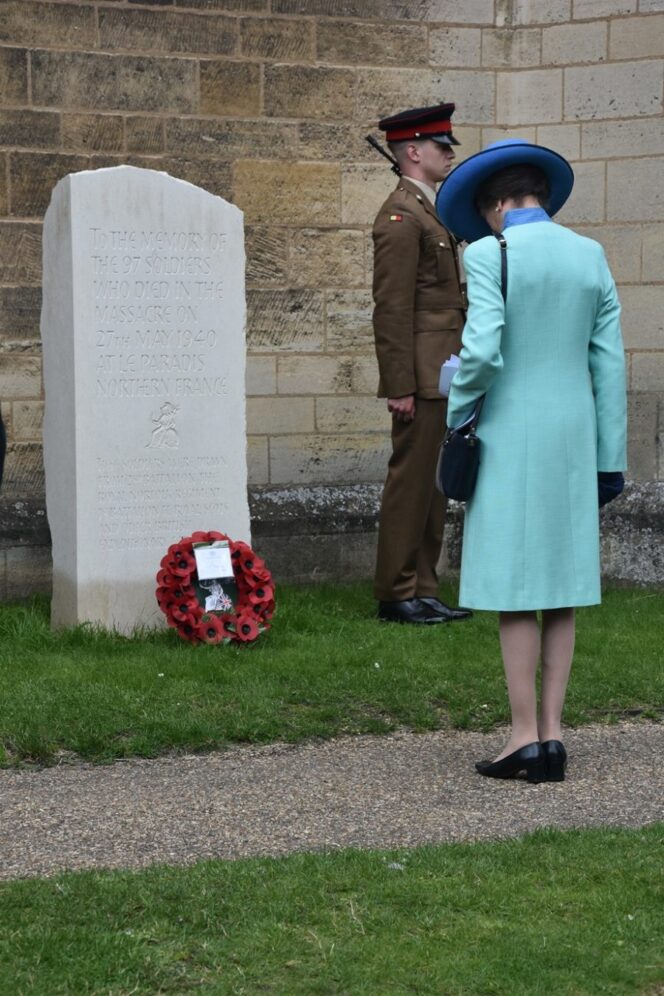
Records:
x=459, y=456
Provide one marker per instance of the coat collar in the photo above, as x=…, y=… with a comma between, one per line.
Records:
x=412, y=188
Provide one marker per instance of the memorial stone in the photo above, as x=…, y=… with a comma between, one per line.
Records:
x=143, y=331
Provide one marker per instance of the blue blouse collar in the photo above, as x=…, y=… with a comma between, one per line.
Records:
x=524, y=216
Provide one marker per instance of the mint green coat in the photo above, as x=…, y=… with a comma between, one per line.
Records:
x=552, y=365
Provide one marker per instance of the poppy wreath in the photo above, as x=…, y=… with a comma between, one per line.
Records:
x=177, y=598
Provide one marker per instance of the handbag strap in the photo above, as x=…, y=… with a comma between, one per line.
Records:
x=503, y=265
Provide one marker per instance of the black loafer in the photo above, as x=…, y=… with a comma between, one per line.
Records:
x=412, y=610
x=529, y=759
x=447, y=614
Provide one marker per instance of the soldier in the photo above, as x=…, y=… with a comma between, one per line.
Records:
x=418, y=319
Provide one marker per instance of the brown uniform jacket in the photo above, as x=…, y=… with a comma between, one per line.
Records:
x=419, y=303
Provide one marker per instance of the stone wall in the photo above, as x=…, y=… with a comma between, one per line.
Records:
x=266, y=102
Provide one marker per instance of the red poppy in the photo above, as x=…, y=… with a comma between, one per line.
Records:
x=211, y=629
x=261, y=574
x=246, y=628
x=188, y=632
x=199, y=537
x=185, y=610
x=183, y=566
x=261, y=595
x=214, y=536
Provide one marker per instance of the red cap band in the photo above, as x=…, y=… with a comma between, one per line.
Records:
x=413, y=131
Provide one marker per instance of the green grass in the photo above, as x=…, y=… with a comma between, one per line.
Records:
x=553, y=914
x=327, y=667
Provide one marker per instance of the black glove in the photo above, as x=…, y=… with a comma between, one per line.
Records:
x=609, y=485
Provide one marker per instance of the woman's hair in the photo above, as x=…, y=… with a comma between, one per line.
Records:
x=516, y=182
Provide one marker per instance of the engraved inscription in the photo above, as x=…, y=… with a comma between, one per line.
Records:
x=152, y=336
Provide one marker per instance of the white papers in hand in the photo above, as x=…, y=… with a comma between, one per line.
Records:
x=447, y=372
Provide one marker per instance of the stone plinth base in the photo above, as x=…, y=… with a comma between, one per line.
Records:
x=310, y=534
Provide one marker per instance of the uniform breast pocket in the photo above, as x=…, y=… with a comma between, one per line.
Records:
x=441, y=254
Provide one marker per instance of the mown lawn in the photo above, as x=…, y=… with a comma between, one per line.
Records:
x=327, y=667
x=579, y=913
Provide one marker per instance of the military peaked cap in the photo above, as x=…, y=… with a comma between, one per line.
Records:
x=421, y=122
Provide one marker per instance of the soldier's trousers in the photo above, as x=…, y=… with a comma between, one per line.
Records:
x=412, y=514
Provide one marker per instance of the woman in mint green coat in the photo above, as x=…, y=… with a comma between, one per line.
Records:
x=550, y=361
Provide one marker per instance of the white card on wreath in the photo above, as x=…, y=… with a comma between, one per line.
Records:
x=213, y=561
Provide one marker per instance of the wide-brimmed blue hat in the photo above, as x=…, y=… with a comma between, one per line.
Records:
x=455, y=202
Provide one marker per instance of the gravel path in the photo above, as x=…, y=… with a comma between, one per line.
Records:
x=393, y=791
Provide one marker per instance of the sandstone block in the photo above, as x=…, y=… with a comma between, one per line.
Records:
x=347, y=42
x=616, y=91
x=533, y=96
x=4, y=193
x=365, y=376
x=20, y=253
x=14, y=75
x=648, y=372
x=31, y=129
x=20, y=376
x=92, y=132
x=167, y=31
x=635, y=190
x=363, y=190
x=470, y=139
x=509, y=12
x=285, y=320
x=267, y=255
x=622, y=245
x=636, y=37
x=454, y=11
x=19, y=312
x=215, y=177
x=653, y=253
x=27, y=419
x=333, y=459
x=230, y=140
x=48, y=24
x=230, y=88
x=294, y=194
x=349, y=320
x=379, y=91
x=643, y=316
x=509, y=48
x=83, y=80
x=351, y=415
x=309, y=92
x=258, y=461
x=563, y=138
x=28, y=571
x=455, y=47
x=261, y=375
x=237, y=6
x=610, y=139
x=24, y=470
x=33, y=176
x=336, y=142
x=314, y=375
x=276, y=38
x=518, y=131
x=603, y=8
x=324, y=258
x=145, y=134
x=586, y=203
x=280, y=416
x=642, y=436
x=565, y=44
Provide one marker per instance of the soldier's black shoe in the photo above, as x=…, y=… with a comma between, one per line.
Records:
x=412, y=610
x=447, y=614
